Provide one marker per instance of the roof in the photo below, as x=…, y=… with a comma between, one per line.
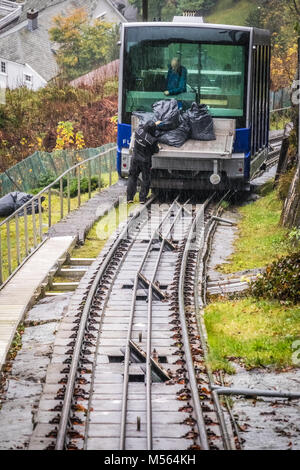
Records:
x=101, y=6
x=39, y=5
x=127, y=9
x=34, y=48
x=104, y=72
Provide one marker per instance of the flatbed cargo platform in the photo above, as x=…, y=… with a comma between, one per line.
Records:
x=219, y=148
x=197, y=163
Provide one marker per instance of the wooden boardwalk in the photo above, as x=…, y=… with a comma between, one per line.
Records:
x=20, y=292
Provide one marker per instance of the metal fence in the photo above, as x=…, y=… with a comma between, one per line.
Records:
x=26, y=229
x=280, y=99
x=26, y=175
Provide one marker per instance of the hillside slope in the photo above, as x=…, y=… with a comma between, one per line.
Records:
x=233, y=12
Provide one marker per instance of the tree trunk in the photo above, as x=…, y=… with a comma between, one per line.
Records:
x=290, y=216
x=283, y=159
x=145, y=10
x=291, y=210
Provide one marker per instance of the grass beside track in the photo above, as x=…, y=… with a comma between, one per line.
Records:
x=102, y=231
x=99, y=234
x=260, y=238
x=252, y=333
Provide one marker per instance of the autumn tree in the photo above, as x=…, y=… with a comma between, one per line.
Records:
x=283, y=67
x=282, y=18
x=83, y=46
x=288, y=67
x=113, y=38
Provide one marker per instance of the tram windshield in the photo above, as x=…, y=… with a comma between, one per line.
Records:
x=189, y=64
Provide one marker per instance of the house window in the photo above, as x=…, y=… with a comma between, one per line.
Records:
x=28, y=78
x=3, y=67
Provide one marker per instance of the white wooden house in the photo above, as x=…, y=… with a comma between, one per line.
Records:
x=27, y=56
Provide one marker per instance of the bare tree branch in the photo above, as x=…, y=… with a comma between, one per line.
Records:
x=297, y=8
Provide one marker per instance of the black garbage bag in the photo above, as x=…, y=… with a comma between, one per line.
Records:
x=7, y=204
x=13, y=201
x=168, y=113
x=201, y=122
x=176, y=137
x=143, y=117
x=23, y=198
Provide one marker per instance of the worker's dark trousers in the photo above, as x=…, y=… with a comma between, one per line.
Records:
x=137, y=167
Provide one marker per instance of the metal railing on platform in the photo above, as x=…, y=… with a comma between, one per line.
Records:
x=24, y=231
x=34, y=170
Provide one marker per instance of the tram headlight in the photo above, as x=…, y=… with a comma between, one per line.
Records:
x=215, y=178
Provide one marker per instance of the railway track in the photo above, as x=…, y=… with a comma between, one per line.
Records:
x=130, y=371
x=272, y=159
x=274, y=153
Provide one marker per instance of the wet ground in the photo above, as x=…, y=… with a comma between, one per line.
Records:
x=23, y=387
x=268, y=423
x=264, y=423
x=223, y=245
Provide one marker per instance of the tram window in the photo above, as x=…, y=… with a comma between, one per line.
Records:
x=215, y=76
x=222, y=79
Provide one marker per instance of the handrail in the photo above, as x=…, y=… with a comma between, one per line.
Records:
x=280, y=109
x=29, y=242
x=12, y=216
x=27, y=173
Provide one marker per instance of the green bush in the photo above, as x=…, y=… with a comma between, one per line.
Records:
x=45, y=180
x=84, y=186
x=280, y=281
x=48, y=178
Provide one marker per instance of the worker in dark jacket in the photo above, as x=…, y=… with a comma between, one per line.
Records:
x=145, y=146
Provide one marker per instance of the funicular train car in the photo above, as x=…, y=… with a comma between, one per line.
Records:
x=228, y=69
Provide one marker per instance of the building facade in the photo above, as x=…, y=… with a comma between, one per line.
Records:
x=27, y=56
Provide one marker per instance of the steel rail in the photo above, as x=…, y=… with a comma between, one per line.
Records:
x=99, y=339
x=272, y=157
x=127, y=349
x=149, y=334
x=199, y=301
x=66, y=409
x=231, y=415
x=185, y=336
x=269, y=162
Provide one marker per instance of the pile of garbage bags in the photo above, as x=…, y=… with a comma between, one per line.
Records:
x=168, y=113
x=177, y=127
x=13, y=201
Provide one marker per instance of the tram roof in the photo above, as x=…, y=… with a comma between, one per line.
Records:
x=260, y=36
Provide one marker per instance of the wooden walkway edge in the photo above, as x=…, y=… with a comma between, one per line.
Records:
x=21, y=291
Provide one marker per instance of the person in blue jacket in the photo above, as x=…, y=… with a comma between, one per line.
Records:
x=176, y=78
